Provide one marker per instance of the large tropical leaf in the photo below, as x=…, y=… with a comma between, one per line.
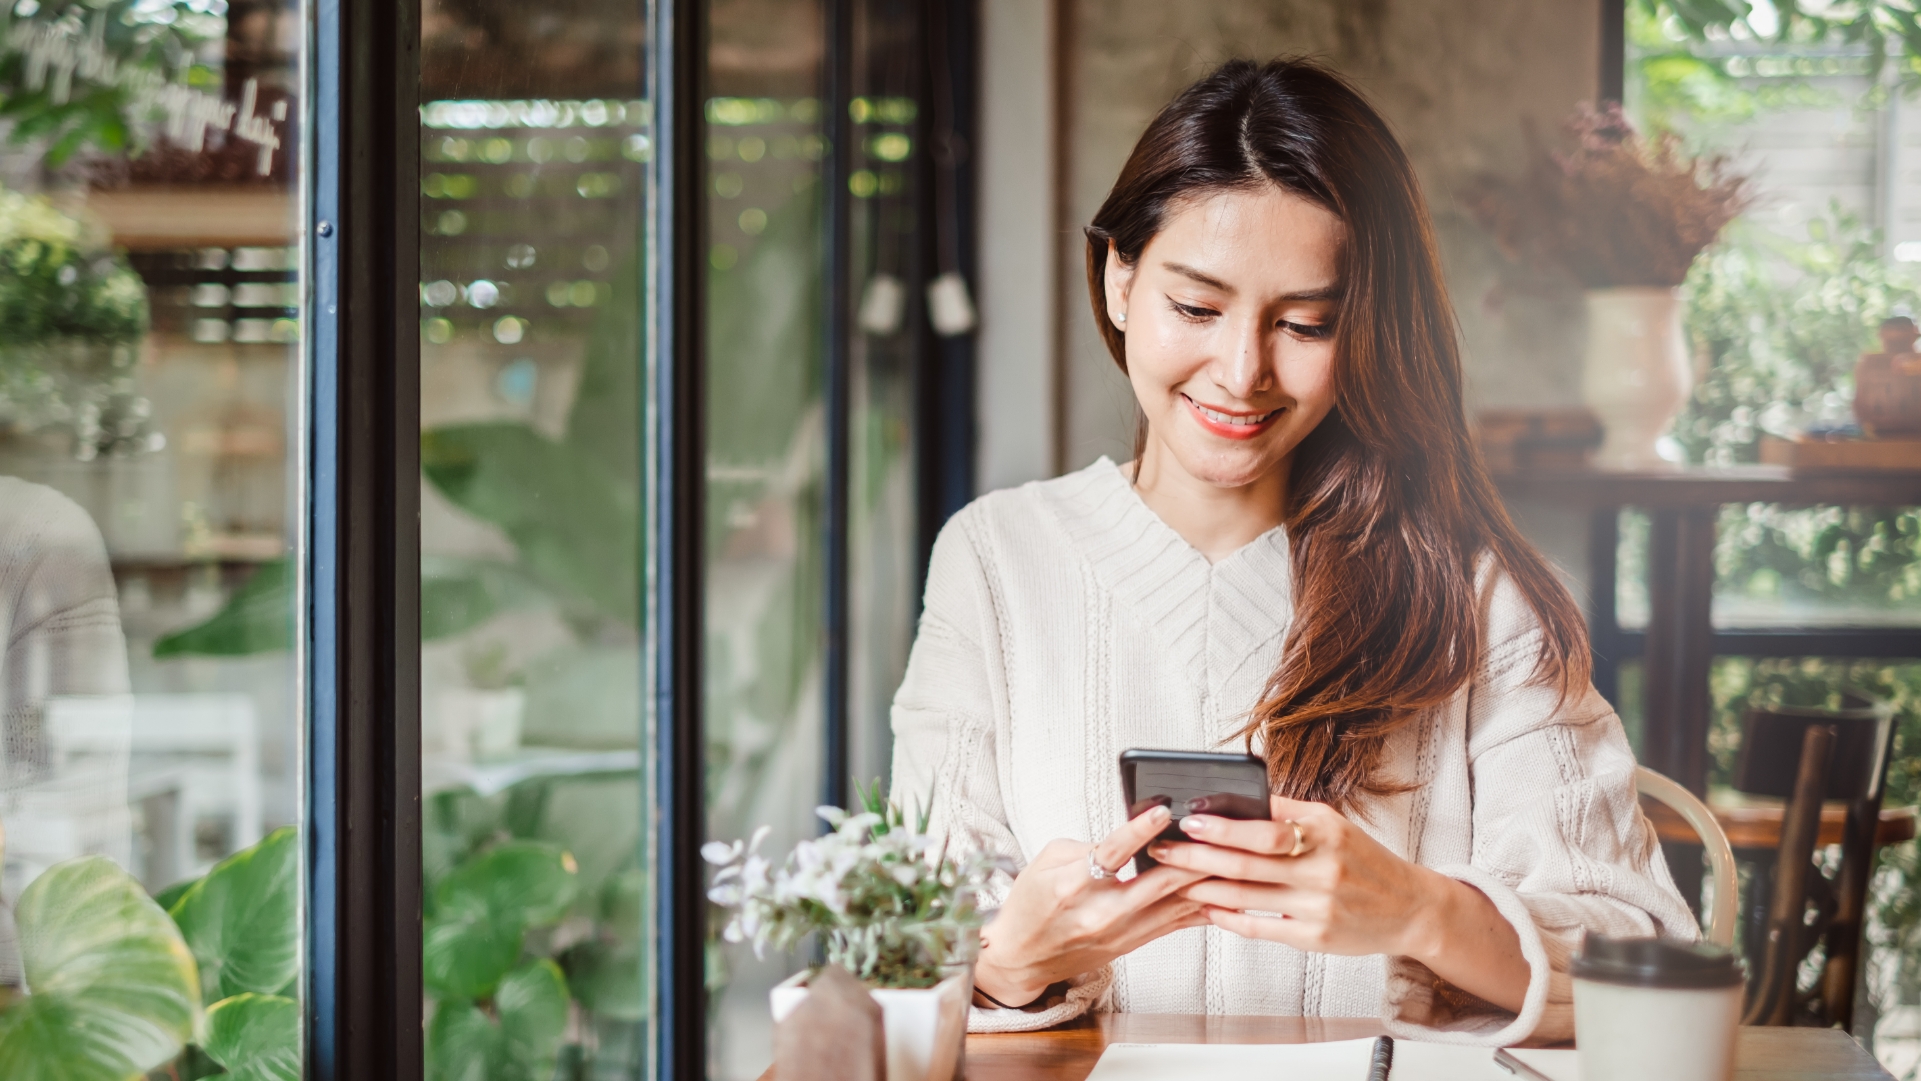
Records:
x=258, y=618
x=114, y=992
x=241, y=920
x=460, y=594
x=455, y=595
x=575, y=522
x=482, y=911
x=519, y=1041
x=256, y=1037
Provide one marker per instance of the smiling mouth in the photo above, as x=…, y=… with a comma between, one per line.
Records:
x=1235, y=420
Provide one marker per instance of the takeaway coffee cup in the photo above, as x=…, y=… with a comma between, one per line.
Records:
x=1648, y=1008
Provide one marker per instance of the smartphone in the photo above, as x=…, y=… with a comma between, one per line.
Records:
x=1191, y=782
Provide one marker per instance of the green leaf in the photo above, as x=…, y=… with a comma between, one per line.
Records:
x=256, y=1037
x=240, y=920
x=171, y=896
x=458, y=595
x=482, y=911
x=608, y=978
x=258, y=618
x=604, y=422
x=575, y=522
x=519, y=1042
x=114, y=988
x=532, y=1006
x=460, y=1041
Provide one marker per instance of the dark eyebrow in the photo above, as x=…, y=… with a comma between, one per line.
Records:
x=1205, y=279
x=1332, y=292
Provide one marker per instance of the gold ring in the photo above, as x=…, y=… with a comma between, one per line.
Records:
x=1300, y=839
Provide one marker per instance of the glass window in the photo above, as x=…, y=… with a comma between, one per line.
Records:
x=766, y=468
x=817, y=261
x=534, y=151
x=151, y=375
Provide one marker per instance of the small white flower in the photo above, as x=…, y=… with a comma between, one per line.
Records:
x=720, y=853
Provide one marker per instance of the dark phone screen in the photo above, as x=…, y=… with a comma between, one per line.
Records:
x=1228, y=785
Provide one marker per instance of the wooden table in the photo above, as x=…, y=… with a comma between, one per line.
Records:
x=1681, y=641
x=1756, y=825
x=1069, y=1053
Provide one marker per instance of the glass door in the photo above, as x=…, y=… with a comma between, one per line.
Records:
x=152, y=381
x=535, y=149
x=827, y=379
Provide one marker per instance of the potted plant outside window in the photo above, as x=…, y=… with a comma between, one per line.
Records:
x=1625, y=216
x=891, y=905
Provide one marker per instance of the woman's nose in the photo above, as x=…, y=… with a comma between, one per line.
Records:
x=1243, y=369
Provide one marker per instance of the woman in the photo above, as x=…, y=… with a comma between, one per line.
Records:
x=1305, y=557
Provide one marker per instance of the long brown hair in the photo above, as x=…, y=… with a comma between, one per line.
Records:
x=1389, y=507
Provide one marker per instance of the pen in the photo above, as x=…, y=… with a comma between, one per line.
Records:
x=1383, y=1058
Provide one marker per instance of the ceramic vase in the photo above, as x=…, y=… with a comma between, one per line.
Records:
x=480, y=725
x=926, y=1027
x=1635, y=376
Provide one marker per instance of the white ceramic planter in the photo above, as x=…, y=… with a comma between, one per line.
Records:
x=479, y=725
x=1635, y=375
x=926, y=1027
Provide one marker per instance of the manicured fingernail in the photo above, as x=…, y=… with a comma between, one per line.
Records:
x=1194, y=823
x=1159, y=851
x=1158, y=814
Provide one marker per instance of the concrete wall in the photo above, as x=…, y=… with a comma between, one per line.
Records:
x=1458, y=81
x=1018, y=293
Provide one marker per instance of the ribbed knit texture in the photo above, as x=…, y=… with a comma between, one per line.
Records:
x=1065, y=622
x=59, y=635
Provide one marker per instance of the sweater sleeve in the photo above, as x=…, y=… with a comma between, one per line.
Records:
x=945, y=751
x=1560, y=845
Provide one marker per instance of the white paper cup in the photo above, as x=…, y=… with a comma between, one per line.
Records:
x=1650, y=1008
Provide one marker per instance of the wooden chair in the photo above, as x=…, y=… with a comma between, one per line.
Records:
x=1724, y=918
x=1808, y=756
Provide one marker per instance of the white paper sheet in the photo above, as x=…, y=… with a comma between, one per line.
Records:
x=1345, y=1060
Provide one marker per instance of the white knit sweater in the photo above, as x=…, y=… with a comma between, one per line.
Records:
x=1065, y=623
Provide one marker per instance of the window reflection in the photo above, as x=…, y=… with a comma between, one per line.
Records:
x=768, y=298
x=534, y=151
x=150, y=365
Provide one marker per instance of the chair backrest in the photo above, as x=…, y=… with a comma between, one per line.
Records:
x=1771, y=748
x=1724, y=917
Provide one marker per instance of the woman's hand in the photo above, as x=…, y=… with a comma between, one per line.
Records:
x=1347, y=894
x=1059, y=921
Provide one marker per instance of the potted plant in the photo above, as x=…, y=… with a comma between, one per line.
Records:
x=890, y=905
x=72, y=314
x=1625, y=216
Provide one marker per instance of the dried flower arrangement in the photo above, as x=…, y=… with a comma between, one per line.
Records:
x=891, y=905
x=1616, y=210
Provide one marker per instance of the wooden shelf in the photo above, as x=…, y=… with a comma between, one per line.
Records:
x=170, y=219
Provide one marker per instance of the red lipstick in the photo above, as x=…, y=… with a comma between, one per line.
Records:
x=1228, y=429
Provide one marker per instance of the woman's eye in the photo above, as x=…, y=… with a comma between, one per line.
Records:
x=1189, y=311
x=1315, y=331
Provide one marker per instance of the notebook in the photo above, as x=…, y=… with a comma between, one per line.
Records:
x=1344, y=1060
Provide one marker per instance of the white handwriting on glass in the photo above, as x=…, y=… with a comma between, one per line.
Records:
x=57, y=53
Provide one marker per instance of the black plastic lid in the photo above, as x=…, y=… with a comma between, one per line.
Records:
x=1655, y=962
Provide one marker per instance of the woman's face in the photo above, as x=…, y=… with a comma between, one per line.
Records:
x=1229, y=320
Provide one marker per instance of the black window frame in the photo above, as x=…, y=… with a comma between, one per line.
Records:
x=359, y=646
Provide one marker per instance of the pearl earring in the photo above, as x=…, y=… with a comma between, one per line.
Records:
x=1120, y=317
